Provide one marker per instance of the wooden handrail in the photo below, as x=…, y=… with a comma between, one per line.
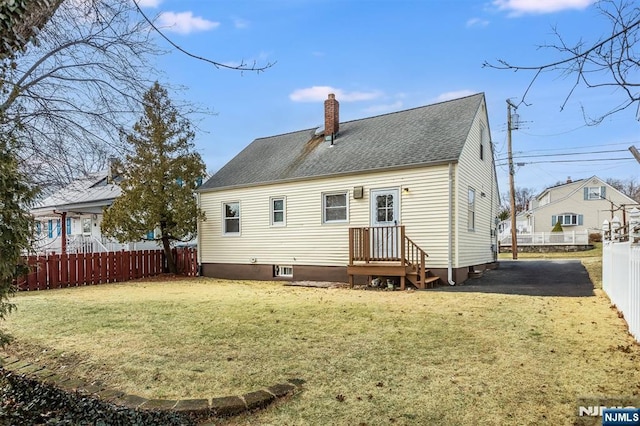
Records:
x=383, y=243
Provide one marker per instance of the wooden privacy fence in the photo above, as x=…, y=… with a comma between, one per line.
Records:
x=72, y=270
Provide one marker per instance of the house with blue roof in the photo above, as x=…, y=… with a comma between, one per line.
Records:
x=409, y=197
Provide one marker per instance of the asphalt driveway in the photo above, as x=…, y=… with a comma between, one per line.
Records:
x=562, y=277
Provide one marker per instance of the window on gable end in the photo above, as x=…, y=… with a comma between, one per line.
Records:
x=471, y=218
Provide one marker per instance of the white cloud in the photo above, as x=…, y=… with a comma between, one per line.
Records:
x=521, y=7
x=447, y=96
x=477, y=22
x=148, y=3
x=184, y=22
x=319, y=93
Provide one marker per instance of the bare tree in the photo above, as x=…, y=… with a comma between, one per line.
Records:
x=523, y=199
x=67, y=96
x=629, y=187
x=611, y=62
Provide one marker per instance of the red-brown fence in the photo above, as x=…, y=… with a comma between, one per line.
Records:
x=72, y=270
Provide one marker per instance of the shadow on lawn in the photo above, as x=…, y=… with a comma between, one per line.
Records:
x=566, y=277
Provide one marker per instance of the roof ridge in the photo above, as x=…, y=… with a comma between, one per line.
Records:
x=374, y=116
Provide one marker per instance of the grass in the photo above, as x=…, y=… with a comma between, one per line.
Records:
x=368, y=357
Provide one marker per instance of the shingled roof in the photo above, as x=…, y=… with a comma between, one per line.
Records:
x=421, y=136
x=88, y=192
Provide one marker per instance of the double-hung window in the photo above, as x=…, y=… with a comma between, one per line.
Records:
x=595, y=193
x=278, y=211
x=334, y=207
x=231, y=218
x=471, y=218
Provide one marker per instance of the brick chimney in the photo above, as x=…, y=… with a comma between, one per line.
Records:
x=331, y=115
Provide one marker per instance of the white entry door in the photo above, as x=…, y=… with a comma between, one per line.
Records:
x=385, y=213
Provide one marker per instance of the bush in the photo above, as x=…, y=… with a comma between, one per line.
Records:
x=595, y=237
x=557, y=227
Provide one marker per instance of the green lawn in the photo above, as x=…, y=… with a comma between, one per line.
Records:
x=368, y=357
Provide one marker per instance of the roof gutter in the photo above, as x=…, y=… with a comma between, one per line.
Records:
x=450, y=254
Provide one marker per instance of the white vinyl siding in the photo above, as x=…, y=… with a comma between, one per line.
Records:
x=574, y=198
x=306, y=240
x=474, y=248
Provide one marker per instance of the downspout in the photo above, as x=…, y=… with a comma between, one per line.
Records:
x=450, y=261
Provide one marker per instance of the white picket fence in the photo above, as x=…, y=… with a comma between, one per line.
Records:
x=546, y=238
x=621, y=270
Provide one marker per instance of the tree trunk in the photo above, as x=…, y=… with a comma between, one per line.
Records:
x=171, y=262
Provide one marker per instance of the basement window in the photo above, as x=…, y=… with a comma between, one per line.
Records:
x=283, y=271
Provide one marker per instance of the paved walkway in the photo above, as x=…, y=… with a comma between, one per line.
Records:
x=562, y=277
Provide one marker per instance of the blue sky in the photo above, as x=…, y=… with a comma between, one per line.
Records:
x=380, y=56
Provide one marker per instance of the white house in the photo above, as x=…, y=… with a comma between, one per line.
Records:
x=317, y=203
x=69, y=219
x=333, y=204
x=580, y=205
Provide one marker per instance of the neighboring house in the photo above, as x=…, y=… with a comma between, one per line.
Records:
x=579, y=206
x=326, y=204
x=69, y=219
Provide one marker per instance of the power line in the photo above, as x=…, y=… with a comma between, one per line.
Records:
x=588, y=146
x=568, y=161
x=567, y=153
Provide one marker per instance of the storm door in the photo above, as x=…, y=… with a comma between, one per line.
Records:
x=385, y=218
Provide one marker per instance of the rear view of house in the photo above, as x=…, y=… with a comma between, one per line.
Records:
x=358, y=199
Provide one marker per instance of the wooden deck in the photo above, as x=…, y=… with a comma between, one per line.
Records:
x=386, y=251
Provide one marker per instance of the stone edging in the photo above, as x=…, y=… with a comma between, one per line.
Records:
x=225, y=406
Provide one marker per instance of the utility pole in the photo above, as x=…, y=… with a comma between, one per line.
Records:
x=635, y=152
x=512, y=192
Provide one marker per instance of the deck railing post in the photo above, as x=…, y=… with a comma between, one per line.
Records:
x=351, y=245
x=402, y=246
x=367, y=245
x=423, y=268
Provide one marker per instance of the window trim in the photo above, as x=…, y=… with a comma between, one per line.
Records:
x=482, y=140
x=272, y=212
x=573, y=216
x=592, y=189
x=225, y=218
x=345, y=193
x=471, y=209
x=278, y=268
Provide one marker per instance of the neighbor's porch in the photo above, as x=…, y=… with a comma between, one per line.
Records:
x=386, y=251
